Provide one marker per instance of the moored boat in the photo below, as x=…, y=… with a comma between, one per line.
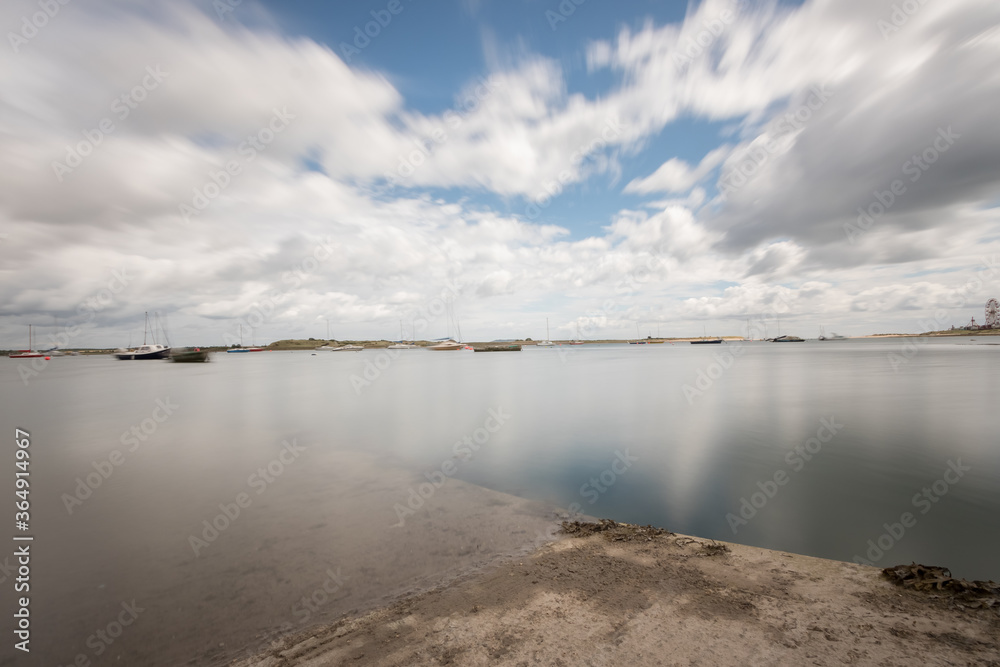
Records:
x=402, y=344
x=30, y=353
x=241, y=349
x=547, y=342
x=153, y=351
x=446, y=345
x=145, y=351
x=188, y=355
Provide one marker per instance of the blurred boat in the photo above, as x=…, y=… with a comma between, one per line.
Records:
x=832, y=336
x=787, y=339
x=188, y=355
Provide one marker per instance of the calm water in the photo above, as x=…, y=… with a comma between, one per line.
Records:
x=664, y=434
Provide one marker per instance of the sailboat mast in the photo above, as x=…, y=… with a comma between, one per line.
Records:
x=145, y=327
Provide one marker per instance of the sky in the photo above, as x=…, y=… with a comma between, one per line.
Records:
x=304, y=169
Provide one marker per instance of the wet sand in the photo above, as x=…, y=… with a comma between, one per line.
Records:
x=289, y=561
x=655, y=600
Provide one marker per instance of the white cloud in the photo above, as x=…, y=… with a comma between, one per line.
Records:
x=676, y=175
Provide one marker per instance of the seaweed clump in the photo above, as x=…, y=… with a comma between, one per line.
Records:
x=613, y=531
x=933, y=579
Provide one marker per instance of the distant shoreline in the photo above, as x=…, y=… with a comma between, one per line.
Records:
x=299, y=344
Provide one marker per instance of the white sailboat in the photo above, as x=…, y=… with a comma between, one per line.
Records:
x=547, y=342
x=402, y=345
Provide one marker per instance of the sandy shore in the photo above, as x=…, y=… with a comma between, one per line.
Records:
x=627, y=598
